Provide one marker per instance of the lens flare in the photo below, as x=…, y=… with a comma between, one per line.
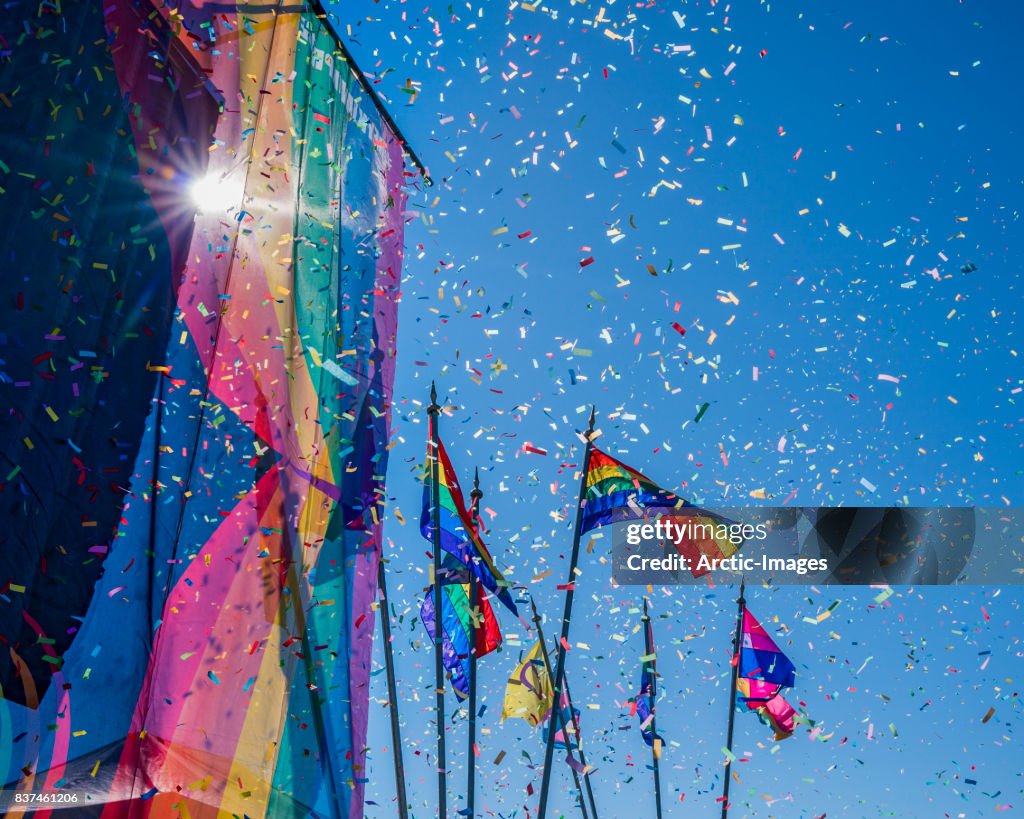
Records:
x=217, y=193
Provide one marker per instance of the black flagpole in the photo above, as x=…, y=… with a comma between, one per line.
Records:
x=434, y=411
x=389, y=666
x=474, y=602
x=652, y=666
x=741, y=603
x=583, y=757
x=556, y=713
x=570, y=588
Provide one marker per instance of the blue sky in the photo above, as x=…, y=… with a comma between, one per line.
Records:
x=805, y=193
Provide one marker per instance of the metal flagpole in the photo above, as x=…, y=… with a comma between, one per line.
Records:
x=736, y=642
x=474, y=602
x=570, y=588
x=389, y=666
x=583, y=757
x=655, y=751
x=556, y=712
x=434, y=411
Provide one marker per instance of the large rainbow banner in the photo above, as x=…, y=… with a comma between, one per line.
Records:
x=201, y=247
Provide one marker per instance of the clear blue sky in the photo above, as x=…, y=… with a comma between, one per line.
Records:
x=808, y=188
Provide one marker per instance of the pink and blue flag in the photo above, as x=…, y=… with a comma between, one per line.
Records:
x=760, y=658
x=762, y=674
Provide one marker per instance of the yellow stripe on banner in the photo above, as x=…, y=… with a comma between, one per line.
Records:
x=247, y=791
x=270, y=52
x=226, y=742
x=442, y=473
x=602, y=473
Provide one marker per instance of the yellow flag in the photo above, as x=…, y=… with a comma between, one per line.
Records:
x=529, y=694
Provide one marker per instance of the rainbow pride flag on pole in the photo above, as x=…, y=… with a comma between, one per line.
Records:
x=763, y=672
x=457, y=623
x=616, y=492
x=458, y=536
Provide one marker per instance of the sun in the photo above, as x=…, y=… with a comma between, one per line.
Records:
x=217, y=192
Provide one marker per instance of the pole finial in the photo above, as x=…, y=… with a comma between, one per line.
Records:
x=477, y=493
x=593, y=415
x=433, y=409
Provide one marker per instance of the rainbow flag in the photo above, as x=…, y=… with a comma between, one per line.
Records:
x=616, y=492
x=457, y=623
x=762, y=674
x=199, y=527
x=458, y=536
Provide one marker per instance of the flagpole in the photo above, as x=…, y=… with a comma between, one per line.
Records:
x=648, y=650
x=474, y=602
x=570, y=588
x=583, y=757
x=389, y=666
x=434, y=412
x=736, y=643
x=556, y=713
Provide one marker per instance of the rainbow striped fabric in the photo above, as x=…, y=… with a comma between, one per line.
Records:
x=763, y=672
x=616, y=492
x=458, y=537
x=193, y=562
x=457, y=623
